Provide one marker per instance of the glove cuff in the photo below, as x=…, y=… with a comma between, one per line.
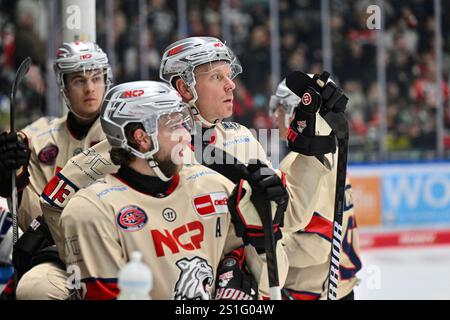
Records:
x=310, y=146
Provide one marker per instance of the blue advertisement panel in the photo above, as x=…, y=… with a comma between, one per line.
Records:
x=416, y=194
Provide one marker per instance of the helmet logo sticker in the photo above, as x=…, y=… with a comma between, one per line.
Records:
x=85, y=56
x=133, y=93
x=175, y=50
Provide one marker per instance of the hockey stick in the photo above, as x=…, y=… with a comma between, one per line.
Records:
x=339, y=124
x=227, y=165
x=298, y=82
x=264, y=211
x=20, y=74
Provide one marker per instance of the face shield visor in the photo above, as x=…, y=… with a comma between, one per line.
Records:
x=276, y=103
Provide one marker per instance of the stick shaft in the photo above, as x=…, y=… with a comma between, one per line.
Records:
x=339, y=202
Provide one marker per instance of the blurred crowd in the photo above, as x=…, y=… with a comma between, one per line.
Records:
x=410, y=59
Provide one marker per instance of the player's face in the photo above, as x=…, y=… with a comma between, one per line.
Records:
x=173, y=138
x=85, y=92
x=280, y=115
x=214, y=88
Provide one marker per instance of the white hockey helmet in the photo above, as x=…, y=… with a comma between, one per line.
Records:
x=286, y=98
x=79, y=56
x=182, y=57
x=147, y=103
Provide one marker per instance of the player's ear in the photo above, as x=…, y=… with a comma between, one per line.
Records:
x=183, y=89
x=142, y=140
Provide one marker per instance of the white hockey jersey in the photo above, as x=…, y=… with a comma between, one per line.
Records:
x=304, y=175
x=182, y=236
x=51, y=144
x=309, y=248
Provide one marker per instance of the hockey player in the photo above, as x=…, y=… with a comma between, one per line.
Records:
x=309, y=248
x=201, y=69
x=40, y=150
x=176, y=216
x=83, y=74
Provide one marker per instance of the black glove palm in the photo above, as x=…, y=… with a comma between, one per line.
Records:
x=14, y=152
x=248, y=201
x=233, y=281
x=318, y=97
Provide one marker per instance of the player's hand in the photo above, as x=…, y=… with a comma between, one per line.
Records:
x=234, y=281
x=35, y=238
x=14, y=151
x=14, y=154
x=308, y=132
x=265, y=185
x=333, y=99
x=318, y=96
x=267, y=182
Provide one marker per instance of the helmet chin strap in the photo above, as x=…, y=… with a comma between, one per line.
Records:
x=205, y=123
x=154, y=165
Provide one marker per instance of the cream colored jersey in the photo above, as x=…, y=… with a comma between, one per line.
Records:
x=309, y=248
x=182, y=236
x=79, y=172
x=303, y=176
x=51, y=145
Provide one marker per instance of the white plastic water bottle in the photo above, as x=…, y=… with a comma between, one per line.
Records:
x=135, y=279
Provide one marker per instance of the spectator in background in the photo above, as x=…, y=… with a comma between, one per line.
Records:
x=28, y=42
x=256, y=58
x=356, y=107
x=409, y=28
x=400, y=61
x=195, y=27
x=162, y=22
x=424, y=89
x=243, y=104
x=5, y=73
x=240, y=23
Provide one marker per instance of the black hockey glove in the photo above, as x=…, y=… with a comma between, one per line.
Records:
x=14, y=151
x=35, y=238
x=333, y=98
x=267, y=182
x=14, y=154
x=234, y=281
x=247, y=201
x=317, y=99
